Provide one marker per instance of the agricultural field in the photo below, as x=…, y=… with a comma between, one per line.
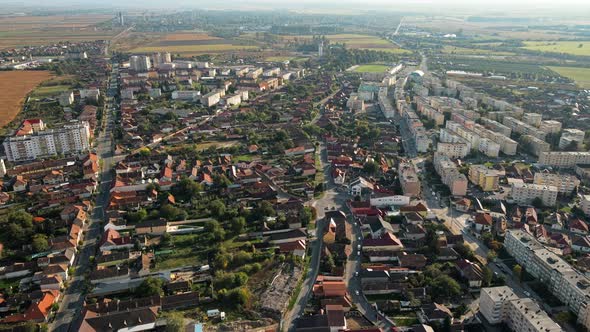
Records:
x=358, y=41
x=284, y=58
x=193, y=43
x=15, y=85
x=568, y=47
x=580, y=75
x=471, y=51
x=43, y=30
x=371, y=68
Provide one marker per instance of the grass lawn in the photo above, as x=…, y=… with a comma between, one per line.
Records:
x=568, y=47
x=7, y=283
x=243, y=157
x=186, y=251
x=371, y=68
x=580, y=75
x=408, y=319
x=48, y=91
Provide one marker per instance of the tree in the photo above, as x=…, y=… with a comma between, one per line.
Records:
x=464, y=250
x=537, y=202
x=564, y=317
x=186, y=189
x=445, y=286
x=487, y=276
x=40, y=243
x=149, y=287
x=238, y=224
x=306, y=216
x=370, y=167
x=238, y=297
x=138, y=216
x=492, y=255
x=517, y=271
x=217, y=207
x=174, y=322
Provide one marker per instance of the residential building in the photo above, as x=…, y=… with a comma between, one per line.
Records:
x=533, y=145
x=66, y=98
x=210, y=99
x=522, y=128
x=564, y=159
x=525, y=193
x=487, y=179
x=69, y=139
x=501, y=305
x=450, y=175
x=571, y=137
x=409, y=180
x=565, y=183
x=550, y=126
x=585, y=204
x=496, y=127
x=453, y=150
x=533, y=119
x=190, y=95
x=140, y=63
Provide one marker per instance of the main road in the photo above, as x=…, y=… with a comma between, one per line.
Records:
x=68, y=315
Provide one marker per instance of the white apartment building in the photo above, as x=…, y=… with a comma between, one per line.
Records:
x=525, y=193
x=501, y=305
x=140, y=63
x=522, y=128
x=489, y=147
x=190, y=95
x=565, y=183
x=533, y=119
x=568, y=285
x=71, y=138
x=534, y=145
x=66, y=98
x=569, y=136
x=550, y=126
x=564, y=159
x=453, y=150
x=210, y=99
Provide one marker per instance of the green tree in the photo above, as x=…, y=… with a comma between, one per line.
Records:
x=40, y=242
x=238, y=224
x=370, y=167
x=537, y=202
x=445, y=286
x=186, y=189
x=174, y=322
x=217, y=207
x=149, y=287
x=517, y=271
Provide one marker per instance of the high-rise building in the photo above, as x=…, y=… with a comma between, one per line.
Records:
x=321, y=49
x=71, y=138
x=121, y=19
x=571, y=136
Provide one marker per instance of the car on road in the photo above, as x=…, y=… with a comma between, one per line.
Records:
x=358, y=253
x=527, y=293
x=356, y=274
x=357, y=292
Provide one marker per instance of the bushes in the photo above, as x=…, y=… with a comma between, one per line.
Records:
x=229, y=280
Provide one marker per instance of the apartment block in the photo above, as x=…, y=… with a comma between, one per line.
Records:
x=570, y=286
x=525, y=193
x=489, y=147
x=550, y=126
x=533, y=145
x=210, y=99
x=585, y=204
x=450, y=175
x=487, y=179
x=571, y=137
x=66, y=98
x=507, y=145
x=522, y=128
x=409, y=180
x=453, y=150
x=533, y=119
x=565, y=183
x=501, y=305
x=496, y=126
x=564, y=159
x=140, y=63
x=69, y=139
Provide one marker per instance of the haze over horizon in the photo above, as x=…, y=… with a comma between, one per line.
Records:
x=499, y=7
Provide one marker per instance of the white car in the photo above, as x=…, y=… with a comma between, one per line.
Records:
x=357, y=292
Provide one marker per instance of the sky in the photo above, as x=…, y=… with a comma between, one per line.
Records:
x=579, y=7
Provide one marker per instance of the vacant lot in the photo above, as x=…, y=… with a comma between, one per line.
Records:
x=193, y=43
x=580, y=75
x=374, y=68
x=43, y=30
x=568, y=47
x=49, y=91
x=15, y=85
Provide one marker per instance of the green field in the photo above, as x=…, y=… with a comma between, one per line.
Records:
x=580, y=75
x=471, y=51
x=390, y=50
x=284, y=58
x=568, y=47
x=375, y=68
x=358, y=41
x=49, y=91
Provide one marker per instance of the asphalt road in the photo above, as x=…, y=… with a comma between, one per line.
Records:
x=73, y=297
